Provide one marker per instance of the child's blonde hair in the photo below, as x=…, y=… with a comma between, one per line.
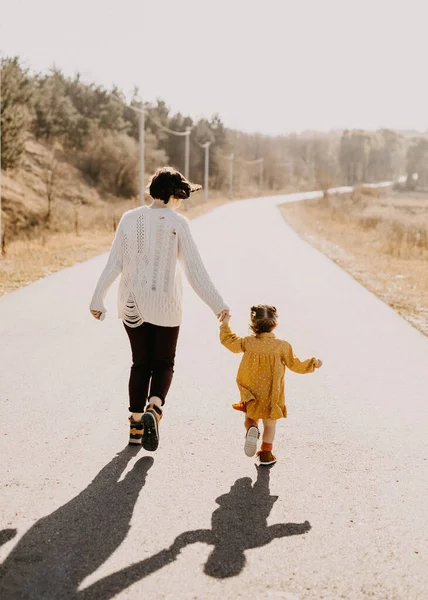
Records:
x=264, y=318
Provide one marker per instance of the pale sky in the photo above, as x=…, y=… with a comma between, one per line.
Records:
x=272, y=66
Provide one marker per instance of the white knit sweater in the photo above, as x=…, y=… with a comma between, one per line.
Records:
x=145, y=250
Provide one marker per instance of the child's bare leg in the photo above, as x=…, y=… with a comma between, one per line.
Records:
x=265, y=453
x=269, y=429
x=250, y=423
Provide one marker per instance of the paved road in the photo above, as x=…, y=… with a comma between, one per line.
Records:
x=343, y=514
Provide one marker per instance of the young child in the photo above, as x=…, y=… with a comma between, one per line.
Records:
x=261, y=377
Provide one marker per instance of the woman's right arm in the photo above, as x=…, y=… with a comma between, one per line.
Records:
x=196, y=273
x=111, y=271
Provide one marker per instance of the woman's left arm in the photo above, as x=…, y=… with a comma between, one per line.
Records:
x=196, y=273
x=111, y=271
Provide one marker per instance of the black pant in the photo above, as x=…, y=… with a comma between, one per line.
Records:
x=153, y=354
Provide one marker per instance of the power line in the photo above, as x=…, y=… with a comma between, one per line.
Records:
x=164, y=128
x=155, y=121
x=231, y=158
x=186, y=134
x=251, y=162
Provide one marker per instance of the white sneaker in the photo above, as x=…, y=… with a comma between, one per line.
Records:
x=251, y=439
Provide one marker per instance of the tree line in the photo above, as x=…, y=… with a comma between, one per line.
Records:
x=101, y=136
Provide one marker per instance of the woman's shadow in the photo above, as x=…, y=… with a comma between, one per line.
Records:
x=239, y=524
x=62, y=549
x=55, y=556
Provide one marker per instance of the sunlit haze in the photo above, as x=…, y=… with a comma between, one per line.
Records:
x=273, y=66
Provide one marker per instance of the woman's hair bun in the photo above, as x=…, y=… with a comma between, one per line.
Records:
x=183, y=192
x=167, y=182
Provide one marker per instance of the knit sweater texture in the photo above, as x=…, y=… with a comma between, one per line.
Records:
x=149, y=247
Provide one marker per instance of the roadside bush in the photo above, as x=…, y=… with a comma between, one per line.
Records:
x=55, y=115
x=110, y=160
x=370, y=221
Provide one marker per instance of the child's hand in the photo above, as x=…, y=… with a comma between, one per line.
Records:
x=222, y=314
x=318, y=363
x=224, y=317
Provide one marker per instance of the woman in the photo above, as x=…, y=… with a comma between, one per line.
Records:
x=149, y=243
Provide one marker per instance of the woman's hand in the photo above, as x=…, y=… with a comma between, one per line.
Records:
x=96, y=314
x=224, y=316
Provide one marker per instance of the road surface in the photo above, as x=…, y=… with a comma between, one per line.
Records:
x=343, y=514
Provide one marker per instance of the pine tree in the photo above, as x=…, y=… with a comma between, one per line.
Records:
x=16, y=106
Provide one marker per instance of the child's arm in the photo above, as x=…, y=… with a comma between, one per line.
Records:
x=229, y=339
x=296, y=365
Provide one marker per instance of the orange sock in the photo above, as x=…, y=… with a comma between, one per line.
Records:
x=266, y=447
x=250, y=423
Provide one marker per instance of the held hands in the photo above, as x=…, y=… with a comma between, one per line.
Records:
x=318, y=363
x=224, y=316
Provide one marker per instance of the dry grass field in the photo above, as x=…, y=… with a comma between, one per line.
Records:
x=91, y=232
x=379, y=237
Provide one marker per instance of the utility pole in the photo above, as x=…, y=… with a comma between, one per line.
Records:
x=207, y=168
x=286, y=172
x=142, y=186
x=231, y=157
x=186, y=152
x=1, y=233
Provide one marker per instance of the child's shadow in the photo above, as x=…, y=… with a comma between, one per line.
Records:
x=239, y=524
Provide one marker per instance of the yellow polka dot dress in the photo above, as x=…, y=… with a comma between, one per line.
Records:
x=261, y=373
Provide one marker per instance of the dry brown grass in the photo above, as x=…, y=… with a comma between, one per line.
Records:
x=30, y=260
x=27, y=260
x=381, y=238
x=400, y=222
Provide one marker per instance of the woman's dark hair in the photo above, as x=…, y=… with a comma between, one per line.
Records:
x=264, y=318
x=167, y=182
